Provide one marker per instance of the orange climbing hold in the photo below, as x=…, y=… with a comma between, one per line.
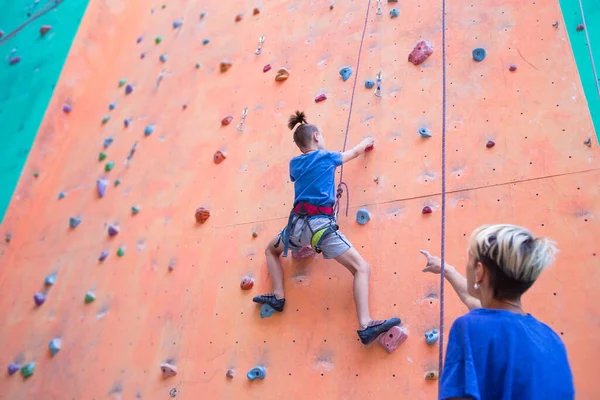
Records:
x=202, y=214
x=219, y=157
x=225, y=65
x=227, y=120
x=239, y=17
x=393, y=338
x=247, y=283
x=168, y=370
x=282, y=74
x=256, y=11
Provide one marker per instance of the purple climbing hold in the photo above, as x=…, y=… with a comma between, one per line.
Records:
x=113, y=230
x=139, y=40
x=101, y=185
x=39, y=298
x=143, y=55
x=67, y=109
x=14, y=60
x=103, y=256
x=128, y=88
x=126, y=122
x=13, y=368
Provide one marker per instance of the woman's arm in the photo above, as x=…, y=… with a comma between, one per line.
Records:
x=357, y=150
x=458, y=282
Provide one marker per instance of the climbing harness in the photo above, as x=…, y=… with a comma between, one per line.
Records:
x=377, y=91
x=240, y=126
x=589, y=46
x=261, y=40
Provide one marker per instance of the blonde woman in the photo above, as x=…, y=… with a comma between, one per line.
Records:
x=497, y=350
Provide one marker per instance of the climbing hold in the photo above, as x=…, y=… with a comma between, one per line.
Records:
x=39, y=298
x=267, y=68
x=54, y=346
x=45, y=29
x=225, y=65
x=218, y=157
x=394, y=13
x=89, y=297
x=126, y=122
x=247, y=283
x=282, y=74
x=257, y=373
x=254, y=234
x=163, y=58
x=122, y=82
x=369, y=84
x=202, y=15
x=205, y=42
x=198, y=66
x=109, y=166
x=13, y=368
x=121, y=251
x=27, y=369
x=112, y=106
x=513, y=67
x=490, y=144
x=432, y=336
x=479, y=54
x=424, y=132
x=431, y=375
x=128, y=88
x=67, y=109
x=139, y=39
x=202, y=215
x=142, y=56
x=555, y=24
x=135, y=210
x=102, y=156
x=168, y=370
x=227, y=120
x=177, y=24
x=230, y=373
x=105, y=119
x=103, y=256
x=36, y=174
x=426, y=210
x=588, y=142
x=171, y=266
x=158, y=39
x=50, y=280
x=1, y=33
x=74, y=222
x=239, y=17
x=7, y=238
x=14, y=60
x=149, y=130
x=580, y=27
x=61, y=195
x=108, y=141
x=256, y=11
x=345, y=73
x=393, y=338
x=362, y=216
x=320, y=98
x=113, y=230
x=420, y=52
x=266, y=311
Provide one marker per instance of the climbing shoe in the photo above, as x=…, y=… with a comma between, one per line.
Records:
x=271, y=300
x=376, y=328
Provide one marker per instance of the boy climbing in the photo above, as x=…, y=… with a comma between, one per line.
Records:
x=312, y=222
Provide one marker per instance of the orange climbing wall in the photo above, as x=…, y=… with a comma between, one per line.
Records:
x=539, y=175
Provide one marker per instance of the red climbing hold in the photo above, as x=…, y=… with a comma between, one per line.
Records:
x=45, y=29
x=513, y=67
x=267, y=68
x=369, y=148
x=202, y=215
x=225, y=65
x=247, y=283
x=393, y=338
x=238, y=17
x=227, y=120
x=426, y=210
x=1, y=33
x=320, y=98
x=331, y=7
x=420, y=53
x=580, y=27
x=490, y=144
x=219, y=157
x=168, y=370
x=256, y=11
x=14, y=60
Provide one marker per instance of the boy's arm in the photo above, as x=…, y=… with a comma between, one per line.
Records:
x=357, y=150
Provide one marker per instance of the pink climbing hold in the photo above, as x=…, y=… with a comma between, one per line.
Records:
x=45, y=29
x=320, y=98
x=421, y=52
x=14, y=60
x=267, y=68
x=490, y=144
x=512, y=68
x=369, y=148
x=393, y=338
x=168, y=370
x=426, y=210
x=580, y=27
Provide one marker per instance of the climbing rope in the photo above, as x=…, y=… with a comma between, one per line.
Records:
x=342, y=183
x=589, y=45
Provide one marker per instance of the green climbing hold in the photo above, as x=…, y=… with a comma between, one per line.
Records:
x=105, y=119
x=135, y=210
x=122, y=82
x=117, y=182
x=89, y=297
x=158, y=40
x=36, y=174
x=121, y=251
x=198, y=66
x=27, y=369
x=109, y=166
x=102, y=156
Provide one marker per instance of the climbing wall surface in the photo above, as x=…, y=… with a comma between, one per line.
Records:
x=173, y=295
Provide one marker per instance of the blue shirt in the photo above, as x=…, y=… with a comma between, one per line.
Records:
x=500, y=355
x=313, y=175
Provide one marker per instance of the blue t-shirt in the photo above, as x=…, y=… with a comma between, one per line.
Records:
x=500, y=355
x=313, y=175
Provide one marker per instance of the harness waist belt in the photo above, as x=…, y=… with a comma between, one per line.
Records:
x=311, y=210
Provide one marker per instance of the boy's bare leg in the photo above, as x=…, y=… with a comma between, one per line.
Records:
x=274, y=265
x=361, y=270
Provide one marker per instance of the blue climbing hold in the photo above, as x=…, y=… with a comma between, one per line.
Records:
x=479, y=54
x=257, y=373
x=394, y=13
x=101, y=185
x=424, y=132
x=177, y=24
x=149, y=130
x=108, y=141
x=369, y=84
x=205, y=42
x=112, y=106
x=61, y=195
x=50, y=280
x=363, y=216
x=74, y=222
x=202, y=15
x=54, y=346
x=345, y=73
x=432, y=336
x=163, y=58
x=126, y=122
x=266, y=311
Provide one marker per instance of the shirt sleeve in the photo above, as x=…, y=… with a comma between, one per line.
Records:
x=292, y=175
x=336, y=157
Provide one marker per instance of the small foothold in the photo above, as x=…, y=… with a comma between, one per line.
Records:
x=393, y=338
x=331, y=7
x=74, y=222
x=512, y=68
x=103, y=256
x=218, y=157
x=247, y=283
x=362, y=216
x=225, y=65
x=479, y=54
x=1, y=33
x=227, y=120
x=198, y=66
x=266, y=311
x=202, y=214
x=121, y=251
x=54, y=346
x=113, y=230
x=139, y=39
x=432, y=336
x=369, y=84
x=39, y=298
x=394, y=13
x=257, y=373
x=117, y=182
x=239, y=17
x=376, y=180
x=89, y=297
x=27, y=369
x=205, y=42
x=431, y=375
x=202, y=15
x=267, y=68
x=168, y=370
x=345, y=73
x=109, y=166
x=282, y=74
x=61, y=195
x=112, y=106
x=426, y=210
x=555, y=24
x=45, y=29
x=126, y=122
x=230, y=373
x=67, y=109
x=135, y=210
x=105, y=119
x=158, y=39
x=128, y=89
x=122, y=82
x=184, y=107
x=580, y=27
x=13, y=368
x=424, y=132
x=420, y=52
x=588, y=142
x=14, y=60
x=163, y=58
x=177, y=24
x=108, y=141
x=254, y=234
x=7, y=238
x=50, y=280
x=171, y=266
x=36, y=174
x=149, y=130
x=142, y=56
x=256, y=11
x=320, y=98
x=102, y=156
x=490, y=144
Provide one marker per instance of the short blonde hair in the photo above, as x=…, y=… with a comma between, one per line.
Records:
x=512, y=255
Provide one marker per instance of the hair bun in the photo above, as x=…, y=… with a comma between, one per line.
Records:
x=298, y=118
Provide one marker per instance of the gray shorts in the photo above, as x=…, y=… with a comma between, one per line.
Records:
x=332, y=246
